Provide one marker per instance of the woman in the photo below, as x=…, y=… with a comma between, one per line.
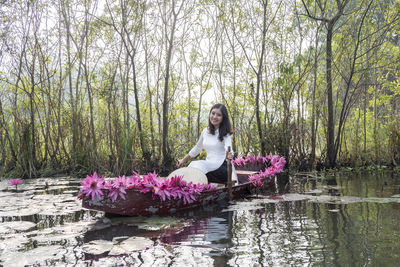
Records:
x=215, y=139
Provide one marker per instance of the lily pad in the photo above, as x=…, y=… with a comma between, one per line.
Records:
x=119, y=239
x=382, y=200
x=71, y=191
x=243, y=206
x=295, y=197
x=315, y=191
x=16, y=226
x=13, y=242
x=37, y=256
x=270, y=199
x=97, y=247
x=26, y=211
x=56, y=239
x=43, y=197
x=350, y=199
x=152, y=223
x=130, y=245
x=6, y=194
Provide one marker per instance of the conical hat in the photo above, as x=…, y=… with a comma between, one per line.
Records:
x=190, y=175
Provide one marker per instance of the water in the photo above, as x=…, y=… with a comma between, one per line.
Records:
x=311, y=219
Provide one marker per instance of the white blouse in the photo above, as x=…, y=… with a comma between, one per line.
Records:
x=216, y=151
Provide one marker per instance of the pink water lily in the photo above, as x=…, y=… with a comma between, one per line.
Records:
x=16, y=182
x=175, y=187
x=115, y=192
x=161, y=189
x=239, y=161
x=259, y=159
x=256, y=179
x=117, y=188
x=92, y=185
x=134, y=181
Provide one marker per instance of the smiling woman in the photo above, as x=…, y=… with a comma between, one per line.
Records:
x=215, y=139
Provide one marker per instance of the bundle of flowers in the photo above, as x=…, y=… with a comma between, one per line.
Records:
x=257, y=178
x=174, y=188
x=266, y=160
x=276, y=166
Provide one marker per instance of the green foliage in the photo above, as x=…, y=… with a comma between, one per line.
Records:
x=216, y=50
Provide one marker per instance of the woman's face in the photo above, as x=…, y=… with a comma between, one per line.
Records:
x=216, y=117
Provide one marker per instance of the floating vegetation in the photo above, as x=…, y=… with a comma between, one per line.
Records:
x=45, y=255
x=243, y=206
x=44, y=224
x=97, y=247
x=16, y=226
x=152, y=223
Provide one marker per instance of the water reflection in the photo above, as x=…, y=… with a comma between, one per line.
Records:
x=335, y=219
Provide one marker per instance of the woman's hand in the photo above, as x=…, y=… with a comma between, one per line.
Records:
x=180, y=163
x=229, y=155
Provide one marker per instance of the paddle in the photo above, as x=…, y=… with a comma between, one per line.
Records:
x=229, y=175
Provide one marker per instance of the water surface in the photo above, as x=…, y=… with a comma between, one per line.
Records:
x=349, y=218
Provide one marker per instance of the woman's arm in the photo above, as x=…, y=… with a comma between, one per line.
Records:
x=198, y=147
x=228, y=143
x=183, y=161
x=193, y=152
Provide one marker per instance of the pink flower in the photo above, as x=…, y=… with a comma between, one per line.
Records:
x=117, y=188
x=120, y=182
x=256, y=180
x=147, y=182
x=274, y=159
x=278, y=163
x=259, y=159
x=161, y=189
x=208, y=187
x=92, y=186
x=239, y=161
x=115, y=192
x=187, y=194
x=251, y=159
x=134, y=181
x=16, y=182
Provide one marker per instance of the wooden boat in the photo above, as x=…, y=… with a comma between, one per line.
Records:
x=137, y=203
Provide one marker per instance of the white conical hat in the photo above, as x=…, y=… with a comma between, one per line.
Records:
x=190, y=175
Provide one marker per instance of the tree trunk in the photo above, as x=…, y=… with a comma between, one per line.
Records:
x=167, y=159
x=331, y=122
x=259, y=80
x=89, y=92
x=143, y=145
x=7, y=135
x=150, y=95
x=74, y=125
x=313, y=130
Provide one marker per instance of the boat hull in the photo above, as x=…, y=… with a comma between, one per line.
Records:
x=136, y=203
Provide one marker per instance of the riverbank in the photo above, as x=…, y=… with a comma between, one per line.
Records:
x=52, y=172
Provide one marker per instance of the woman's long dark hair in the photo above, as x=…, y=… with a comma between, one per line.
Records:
x=225, y=126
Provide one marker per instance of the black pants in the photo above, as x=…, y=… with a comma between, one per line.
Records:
x=220, y=175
